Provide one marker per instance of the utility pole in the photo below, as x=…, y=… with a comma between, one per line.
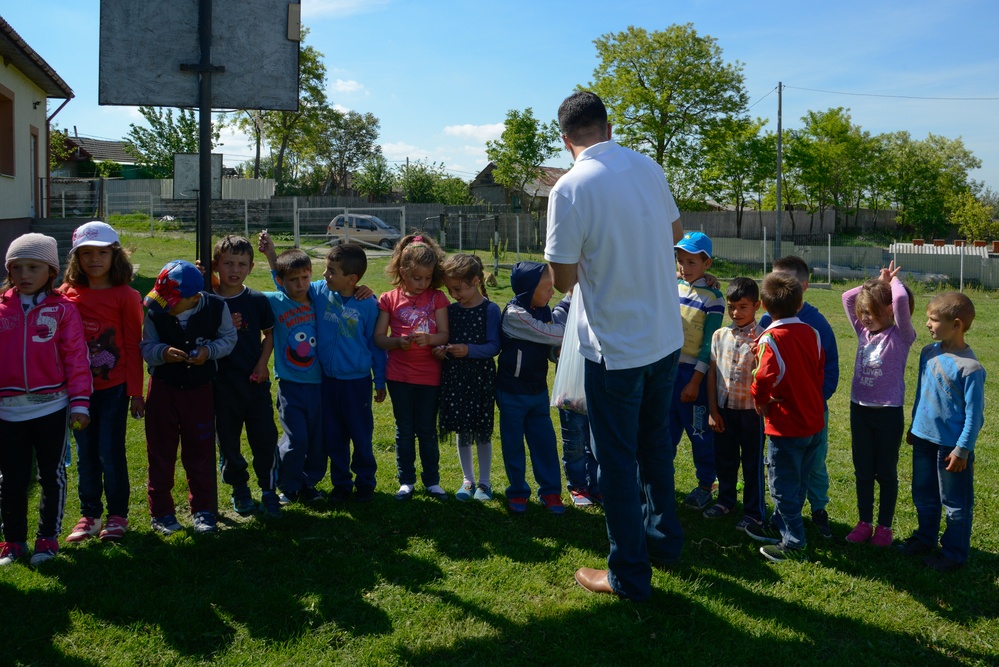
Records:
x=780, y=160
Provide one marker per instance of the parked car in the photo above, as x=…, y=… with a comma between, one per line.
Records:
x=364, y=228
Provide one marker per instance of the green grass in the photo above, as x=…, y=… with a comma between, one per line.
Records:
x=467, y=584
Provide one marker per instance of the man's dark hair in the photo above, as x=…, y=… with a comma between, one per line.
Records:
x=793, y=265
x=781, y=293
x=743, y=288
x=582, y=116
x=350, y=257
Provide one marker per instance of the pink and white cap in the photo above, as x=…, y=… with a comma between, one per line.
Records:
x=94, y=233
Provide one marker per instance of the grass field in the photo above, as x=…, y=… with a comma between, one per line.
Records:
x=432, y=583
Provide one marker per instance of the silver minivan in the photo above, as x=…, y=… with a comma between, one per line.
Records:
x=367, y=229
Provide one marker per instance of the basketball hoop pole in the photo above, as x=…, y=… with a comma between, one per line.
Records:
x=205, y=69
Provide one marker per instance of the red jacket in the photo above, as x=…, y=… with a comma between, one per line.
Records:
x=789, y=368
x=44, y=352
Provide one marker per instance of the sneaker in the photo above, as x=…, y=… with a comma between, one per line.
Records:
x=553, y=503
x=761, y=532
x=166, y=525
x=289, y=498
x=716, y=511
x=84, y=528
x=778, y=553
x=581, y=497
x=242, y=500
x=405, y=492
x=340, y=494
x=45, y=550
x=270, y=503
x=205, y=522
x=698, y=499
x=465, y=492
x=820, y=519
x=861, y=533
x=364, y=494
x=483, y=492
x=936, y=561
x=436, y=492
x=517, y=505
x=11, y=551
x=913, y=546
x=114, y=529
x=882, y=537
x=309, y=494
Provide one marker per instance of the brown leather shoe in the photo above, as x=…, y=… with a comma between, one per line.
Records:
x=594, y=581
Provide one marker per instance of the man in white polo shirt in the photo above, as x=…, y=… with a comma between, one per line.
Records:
x=612, y=225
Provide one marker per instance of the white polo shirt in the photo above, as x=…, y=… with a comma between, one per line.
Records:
x=613, y=214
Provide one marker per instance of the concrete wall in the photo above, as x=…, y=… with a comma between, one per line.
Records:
x=17, y=190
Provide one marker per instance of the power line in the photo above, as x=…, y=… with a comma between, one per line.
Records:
x=900, y=97
x=762, y=98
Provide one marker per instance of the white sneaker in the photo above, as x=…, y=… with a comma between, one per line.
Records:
x=85, y=527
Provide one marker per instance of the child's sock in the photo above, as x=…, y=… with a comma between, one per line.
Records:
x=467, y=468
x=406, y=488
x=436, y=488
x=485, y=454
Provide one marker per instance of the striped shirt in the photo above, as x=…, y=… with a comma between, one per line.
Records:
x=701, y=310
x=732, y=352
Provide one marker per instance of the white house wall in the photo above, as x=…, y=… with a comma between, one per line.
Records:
x=16, y=192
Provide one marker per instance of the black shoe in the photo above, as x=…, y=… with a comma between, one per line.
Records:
x=820, y=518
x=762, y=532
x=339, y=494
x=913, y=546
x=778, y=553
x=309, y=495
x=364, y=494
x=941, y=563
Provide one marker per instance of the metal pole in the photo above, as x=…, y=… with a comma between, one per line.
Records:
x=205, y=140
x=780, y=204
x=518, y=238
x=962, y=268
x=246, y=218
x=764, y=251
x=296, y=224
x=63, y=204
x=829, y=257
x=495, y=245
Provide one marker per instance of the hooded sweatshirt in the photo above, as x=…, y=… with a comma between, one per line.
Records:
x=528, y=335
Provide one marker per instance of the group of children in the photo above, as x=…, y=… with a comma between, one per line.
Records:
x=77, y=354
x=771, y=381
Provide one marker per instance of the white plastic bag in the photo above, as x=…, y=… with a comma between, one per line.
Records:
x=568, y=391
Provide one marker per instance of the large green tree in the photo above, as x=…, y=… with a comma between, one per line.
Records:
x=153, y=147
x=424, y=182
x=525, y=145
x=738, y=162
x=665, y=90
x=375, y=178
x=346, y=139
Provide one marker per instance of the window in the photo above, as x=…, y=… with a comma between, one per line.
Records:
x=6, y=131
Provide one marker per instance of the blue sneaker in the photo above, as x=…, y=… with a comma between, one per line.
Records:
x=270, y=504
x=288, y=499
x=242, y=500
x=483, y=493
x=465, y=492
x=166, y=525
x=205, y=522
x=698, y=499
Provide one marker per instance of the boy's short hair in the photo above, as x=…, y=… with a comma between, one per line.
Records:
x=793, y=265
x=582, y=116
x=350, y=257
x=742, y=288
x=231, y=243
x=292, y=260
x=953, y=306
x=781, y=294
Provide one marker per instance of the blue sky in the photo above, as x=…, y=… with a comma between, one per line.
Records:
x=440, y=75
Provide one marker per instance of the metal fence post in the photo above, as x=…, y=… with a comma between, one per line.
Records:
x=829, y=257
x=962, y=268
x=246, y=218
x=518, y=238
x=294, y=216
x=764, y=250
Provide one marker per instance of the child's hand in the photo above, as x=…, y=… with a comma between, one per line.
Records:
x=422, y=339
x=440, y=352
x=174, y=356
x=78, y=421
x=198, y=356
x=265, y=244
x=689, y=393
x=260, y=374
x=955, y=463
x=716, y=422
x=909, y=438
x=458, y=350
x=404, y=342
x=711, y=281
x=237, y=320
x=891, y=273
x=379, y=395
x=362, y=292
x=137, y=407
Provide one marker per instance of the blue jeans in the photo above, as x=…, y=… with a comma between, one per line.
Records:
x=790, y=462
x=934, y=490
x=300, y=449
x=629, y=418
x=693, y=418
x=818, y=480
x=528, y=416
x=101, y=459
x=577, y=456
x=347, y=417
x=415, y=410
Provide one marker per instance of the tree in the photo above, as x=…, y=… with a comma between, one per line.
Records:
x=975, y=218
x=375, y=178
x=252, y=121
x=345, y=140
x=153, y=147
x=736, y=162
x=665, y=90
x=60, y=149
x=429, y=183
x=519, y=153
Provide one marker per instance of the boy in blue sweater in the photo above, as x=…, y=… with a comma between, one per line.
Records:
x=530, y=332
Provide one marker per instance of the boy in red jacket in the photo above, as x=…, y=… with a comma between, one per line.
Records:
x=787, y=391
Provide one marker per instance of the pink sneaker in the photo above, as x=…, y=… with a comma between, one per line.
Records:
x=114, y=529
x=861, y=533
x=85, y=527
x=882, y=537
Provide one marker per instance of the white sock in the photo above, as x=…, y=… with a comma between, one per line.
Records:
x=436, y=488
x=485, y=452
x=465, y=458
x=406, y=488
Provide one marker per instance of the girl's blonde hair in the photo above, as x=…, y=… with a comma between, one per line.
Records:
x=120, y=273
x=875, y=298
x=465, y=268
x=416, y=249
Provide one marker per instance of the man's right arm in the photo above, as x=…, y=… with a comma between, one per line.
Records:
x=677, y=231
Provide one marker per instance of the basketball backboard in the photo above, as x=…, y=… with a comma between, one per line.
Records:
x=186, y=175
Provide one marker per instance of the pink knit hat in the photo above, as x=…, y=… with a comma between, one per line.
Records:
x=34, y=246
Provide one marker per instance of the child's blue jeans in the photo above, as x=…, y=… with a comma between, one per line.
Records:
x=415, y=410
x=101, y=462
x=936, y=491
x=790, y=463
x=577, y=457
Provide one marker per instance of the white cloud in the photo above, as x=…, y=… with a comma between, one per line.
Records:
x=337, y=8
x=481, y=133
x=348, y=86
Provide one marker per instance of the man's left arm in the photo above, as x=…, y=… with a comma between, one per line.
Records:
x=565, y=276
